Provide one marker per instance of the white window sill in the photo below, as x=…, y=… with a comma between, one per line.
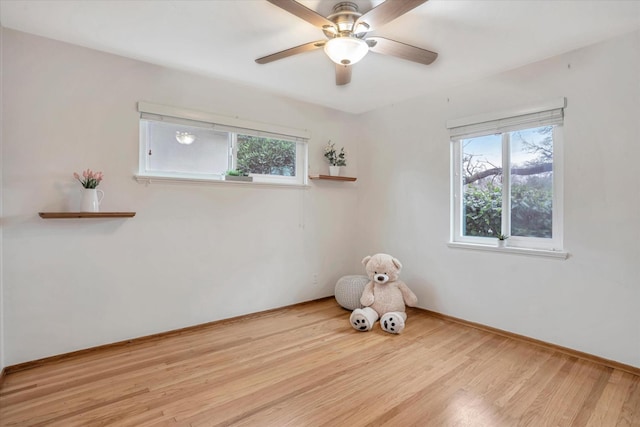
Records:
x=149, y=179
x=547, y=253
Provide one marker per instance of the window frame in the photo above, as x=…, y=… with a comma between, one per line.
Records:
x=479, y=126
x=234, y=126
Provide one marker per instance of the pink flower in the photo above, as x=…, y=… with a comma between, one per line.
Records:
x=91, y=179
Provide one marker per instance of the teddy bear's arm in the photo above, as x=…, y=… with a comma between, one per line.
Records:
x=367, y=295
x=409, y=297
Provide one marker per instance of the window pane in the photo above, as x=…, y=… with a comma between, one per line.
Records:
x=532, y=182
x=482, y=180
x=266, y=156
x=207, y=154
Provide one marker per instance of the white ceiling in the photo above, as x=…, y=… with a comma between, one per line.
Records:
x=222, y=38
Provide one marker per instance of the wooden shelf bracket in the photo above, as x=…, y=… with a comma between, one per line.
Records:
x=333, y=178
x=65, y=215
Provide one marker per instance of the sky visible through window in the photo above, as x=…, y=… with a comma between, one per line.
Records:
x=488, y=148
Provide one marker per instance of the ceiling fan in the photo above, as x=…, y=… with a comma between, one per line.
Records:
x=346, y=31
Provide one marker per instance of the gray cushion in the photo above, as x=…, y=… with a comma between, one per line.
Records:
x=349, y=290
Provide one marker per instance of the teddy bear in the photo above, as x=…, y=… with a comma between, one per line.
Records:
x=384, y=297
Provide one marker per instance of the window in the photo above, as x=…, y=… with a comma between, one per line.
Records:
x=507, y=178
x=185, y=144
x=266, y=156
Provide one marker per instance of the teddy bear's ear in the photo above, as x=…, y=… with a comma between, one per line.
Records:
x=366, y=259
x=396, y=263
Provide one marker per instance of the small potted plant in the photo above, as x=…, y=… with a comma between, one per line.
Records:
x=237, y=174
x=502, y=239
x=336, y=158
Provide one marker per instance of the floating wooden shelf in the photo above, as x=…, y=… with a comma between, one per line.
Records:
x=50, y=215
x=333, y=178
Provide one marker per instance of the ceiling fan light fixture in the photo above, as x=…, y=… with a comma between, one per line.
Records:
x=346, y=50
x=185, y=138
x=361, y=27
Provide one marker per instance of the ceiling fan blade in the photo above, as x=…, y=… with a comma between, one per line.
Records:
x=401, y=50
x=303, y=12
x=343, y=74
x=386, y=12
x=292, y=51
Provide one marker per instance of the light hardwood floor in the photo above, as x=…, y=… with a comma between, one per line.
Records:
x=305, y=366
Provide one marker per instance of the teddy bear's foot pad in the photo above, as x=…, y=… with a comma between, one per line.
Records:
x=392, y=323
x=360, y=322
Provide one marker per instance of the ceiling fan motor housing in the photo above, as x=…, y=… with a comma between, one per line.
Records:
x=345, y=14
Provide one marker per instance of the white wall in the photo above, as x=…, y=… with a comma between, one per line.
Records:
x=196, y=253
x=193, y=253
x=588, y=302
x=2, y=364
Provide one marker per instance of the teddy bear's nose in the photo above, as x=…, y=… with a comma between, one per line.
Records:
x=380, y=278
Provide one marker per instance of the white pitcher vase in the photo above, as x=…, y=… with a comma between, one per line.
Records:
x=91, y=199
